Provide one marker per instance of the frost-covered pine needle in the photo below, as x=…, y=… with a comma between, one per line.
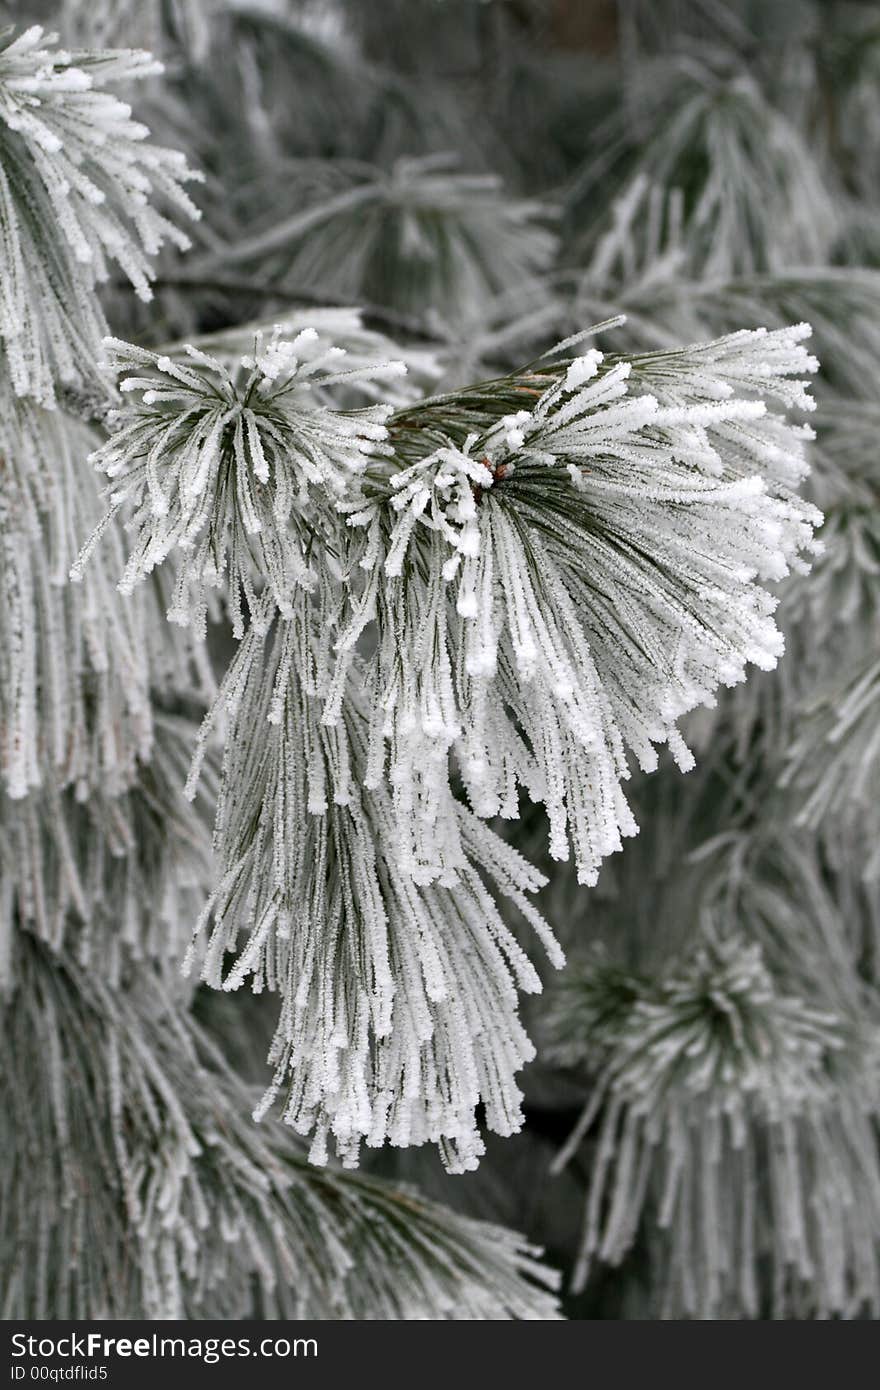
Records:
x=727, y=1120
x=117, y=876
x=135, y=1184
x=713, y=166
x=235, y=470
x=517, y=584
x=75, y=661
x=423, y=237
x=398, y=998
x=573, y=559
x=833, y=765
x=151, y=24
x=81, y=188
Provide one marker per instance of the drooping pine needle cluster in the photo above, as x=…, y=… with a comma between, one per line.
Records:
x=168, y=1201
x=506, y=589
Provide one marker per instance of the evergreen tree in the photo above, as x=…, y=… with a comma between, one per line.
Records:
x=408, y=470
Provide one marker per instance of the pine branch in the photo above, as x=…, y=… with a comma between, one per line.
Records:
x=529, y=557
x=135, y=1184
x=707, y=1076
x=76, y=182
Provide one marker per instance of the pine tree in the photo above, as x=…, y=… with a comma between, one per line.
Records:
x=345, y=650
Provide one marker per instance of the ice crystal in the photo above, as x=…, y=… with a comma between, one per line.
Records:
x=79, y=184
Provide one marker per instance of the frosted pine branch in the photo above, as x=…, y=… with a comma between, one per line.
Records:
x=721, y=170
x=549, y=570
x=115, y=878
x=398, y=1001
x=575, y=554
x=235, y=470
x=80, y=188
x=151, y=24
x=134, y=1183
x=74, y=671
x=77, y=663
x=832, y=768
x=704, y=1076
x=424, y=237
x=341, y=328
